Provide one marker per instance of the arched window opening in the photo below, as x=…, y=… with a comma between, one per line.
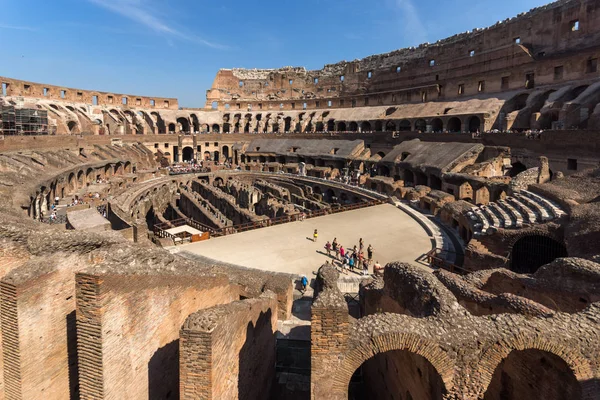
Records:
x=474, y=124
x=437, y=125
x=420, y=125
x=454, y=125
x=188, y=154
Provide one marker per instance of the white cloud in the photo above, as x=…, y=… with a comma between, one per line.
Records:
x=141, y=12
x=18, y=28
x=410, y=20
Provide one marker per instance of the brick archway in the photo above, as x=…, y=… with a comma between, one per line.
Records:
x=493, y=356
x=390, y=341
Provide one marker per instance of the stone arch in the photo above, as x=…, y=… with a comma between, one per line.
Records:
x=187, y=154
x=330, y=125
x=474, y=124
x=420, y=125
x=215, y=128
x=530, y=251
x=454, y=125
x=341, y=127
x=353, y=127
x=492, y=357
x=365, y=126
x=378, y=126
x=185, y=124
x=195, y=123
x=172, y=128
x=225, y=152
x=390, y=341
x=437, y=125
x=159, y=122
x=73, y=127
x=404, y=125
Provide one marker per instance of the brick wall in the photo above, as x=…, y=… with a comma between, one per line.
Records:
x=139, y=317
x=38, y=328
x=228, y=352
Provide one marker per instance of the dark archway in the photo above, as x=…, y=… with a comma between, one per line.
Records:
x=215, y=128
x=73, y=127
x=287, y=124
x=454, y=125
x=330, y=126
x=185, y=124
x=225, y=151
x=531, y=252
x=195, y=123
x=474, y=124
x=437, y=125
x=171, y=128
x=517, y=168
x=420, y=125
x=404, y=126
x=365, y=126
x=188, y=154
x=378, y=126
x=533, y=374
x=395, y=375
x=384, y=170
x=353, y=127
x=341, y=127
x=435, y=182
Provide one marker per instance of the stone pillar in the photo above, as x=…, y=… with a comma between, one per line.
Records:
x=329, y=336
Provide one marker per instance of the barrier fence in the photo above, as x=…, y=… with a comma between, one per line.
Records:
x=436, y=259
x=160, y=230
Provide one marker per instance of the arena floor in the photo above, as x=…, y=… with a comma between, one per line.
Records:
x=395, y=236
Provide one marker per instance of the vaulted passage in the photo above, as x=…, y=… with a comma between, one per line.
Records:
x=533, y=374
x=396, y=375
x=531, y=252
x=188, y=154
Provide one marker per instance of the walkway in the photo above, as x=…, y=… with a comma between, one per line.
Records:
x=395, y=236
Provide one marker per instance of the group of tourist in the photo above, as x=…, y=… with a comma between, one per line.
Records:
x=353, y=260
x=186, y=168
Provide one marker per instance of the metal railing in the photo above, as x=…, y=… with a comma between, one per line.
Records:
x=436, y=260
x=160, y=230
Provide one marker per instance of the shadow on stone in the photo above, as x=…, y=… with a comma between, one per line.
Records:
x=163, y=373
x=73, y=358
x=257, y=360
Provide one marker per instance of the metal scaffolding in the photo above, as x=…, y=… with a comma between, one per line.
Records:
x=23, y=121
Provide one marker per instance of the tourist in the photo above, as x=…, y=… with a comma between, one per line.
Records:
x=304, y=282
x=378, y=269
x=370, y=252
x=351, y=263
x=345, y=265
x=336, y=248
x=328, y=248
x=361, y=244
x=365, y=265
x=315, y=235
x=342, y=252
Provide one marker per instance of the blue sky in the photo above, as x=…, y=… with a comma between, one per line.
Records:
x=174, y=48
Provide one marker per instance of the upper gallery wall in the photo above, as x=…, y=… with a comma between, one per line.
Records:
x=552, y=44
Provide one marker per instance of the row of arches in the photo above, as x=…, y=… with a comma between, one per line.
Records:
x=522, y=373
x=144, y=123
x=66, y=185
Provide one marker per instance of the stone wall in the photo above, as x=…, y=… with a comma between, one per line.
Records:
x=228, y=351
x=137, y=319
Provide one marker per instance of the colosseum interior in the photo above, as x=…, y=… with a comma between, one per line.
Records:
x=151, y=251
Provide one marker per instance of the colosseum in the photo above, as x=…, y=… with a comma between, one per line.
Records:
x=421, y=224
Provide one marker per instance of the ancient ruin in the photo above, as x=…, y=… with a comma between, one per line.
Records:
x=150, y=251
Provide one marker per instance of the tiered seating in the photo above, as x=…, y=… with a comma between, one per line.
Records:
x=513, y=212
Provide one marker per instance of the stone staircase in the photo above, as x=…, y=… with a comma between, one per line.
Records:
x=511, y=213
